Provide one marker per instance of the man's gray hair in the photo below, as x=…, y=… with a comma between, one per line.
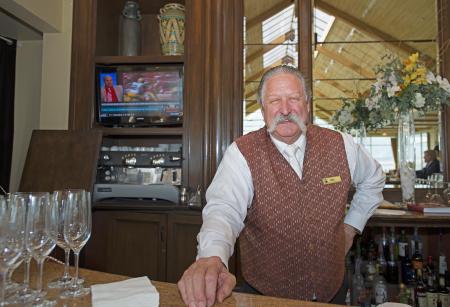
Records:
x=281, y=69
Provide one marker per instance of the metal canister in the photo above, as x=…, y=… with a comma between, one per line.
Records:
x=130, y=32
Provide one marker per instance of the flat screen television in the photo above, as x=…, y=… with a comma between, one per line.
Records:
x=139, y=95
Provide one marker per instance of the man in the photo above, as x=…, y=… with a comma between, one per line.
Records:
x=110, y=92
x=283, y=191
x=432, y=165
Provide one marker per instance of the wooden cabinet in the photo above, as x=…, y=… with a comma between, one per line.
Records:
x=160, y=245
x=181, y=243
x=137, y=244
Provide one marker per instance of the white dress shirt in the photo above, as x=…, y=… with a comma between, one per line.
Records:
x=231, y=193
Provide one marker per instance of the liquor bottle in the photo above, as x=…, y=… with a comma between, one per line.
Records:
x=442, y=259
x=381, y=260
x=429, y=268
x=392, y=272
x=380, y=289
x=416, y=242
x=392, y=266
x=403, y=296
x=444, y=294
x=432, y=292
x=385, y=244
x=393, y=245
x=408, y=273
x=417, y=259
x=358, y=288
x=420, y=291
x=402, y=246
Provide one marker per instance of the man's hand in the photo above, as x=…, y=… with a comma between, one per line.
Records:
x=350, y=233
x=206, y=281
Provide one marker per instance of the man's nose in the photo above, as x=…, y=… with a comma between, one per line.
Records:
x=284, y=107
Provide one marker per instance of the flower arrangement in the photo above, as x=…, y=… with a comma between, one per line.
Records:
x=405, y=86
x=354, y=113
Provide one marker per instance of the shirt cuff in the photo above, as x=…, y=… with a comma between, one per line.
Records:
x=356, y=220
x=215, y=250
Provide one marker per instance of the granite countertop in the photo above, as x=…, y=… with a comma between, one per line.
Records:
x=169, y=295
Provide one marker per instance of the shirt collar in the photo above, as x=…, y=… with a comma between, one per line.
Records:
x=281, y=146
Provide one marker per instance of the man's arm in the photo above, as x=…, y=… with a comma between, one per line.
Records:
x=228, y=197
x=369, y=179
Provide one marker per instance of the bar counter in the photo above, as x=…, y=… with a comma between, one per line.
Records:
x=168, y=293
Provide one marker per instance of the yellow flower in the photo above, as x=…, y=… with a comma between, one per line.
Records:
x=420, y=80
x=414, y=57
x=421, y=71
x=406, y=81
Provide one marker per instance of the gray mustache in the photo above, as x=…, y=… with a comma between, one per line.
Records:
x=290, y=117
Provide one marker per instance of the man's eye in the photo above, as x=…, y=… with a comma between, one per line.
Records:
x=294, y=99
x=274, y=101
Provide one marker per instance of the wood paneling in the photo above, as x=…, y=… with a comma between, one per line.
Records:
x=305, y=45
x=444, y=65
x=137, y=244
x=59, y=159
x=181, y=244
x=214, y=82
x=82, y=89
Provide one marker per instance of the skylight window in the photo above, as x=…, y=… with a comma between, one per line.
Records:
x=322, y=24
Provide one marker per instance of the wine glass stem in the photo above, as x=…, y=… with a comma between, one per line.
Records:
x=3, y=288
x=75, y=280
x=41, y=274
x=66, y=264
x=26, y=279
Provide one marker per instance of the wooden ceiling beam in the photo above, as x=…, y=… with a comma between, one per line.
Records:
x=345, y=62
x=368, y=29
x=266, y=48
x=268, y=13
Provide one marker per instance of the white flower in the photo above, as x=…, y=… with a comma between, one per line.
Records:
x=430, y=77
x=392, y=79
x=419, y=101
x=345, y=117
x=370, y=103
x=392, y=90
x=443, y=83
x=379, y=84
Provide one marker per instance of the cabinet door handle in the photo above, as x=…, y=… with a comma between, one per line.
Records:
x=163, y=234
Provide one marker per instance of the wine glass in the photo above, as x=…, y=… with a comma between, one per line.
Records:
x=25, y=294
x=77, y=231
x=42, y=223
x=59, y=201
x=436, y=197
x=12, y=223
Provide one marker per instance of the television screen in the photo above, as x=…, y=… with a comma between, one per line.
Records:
x=130, y=95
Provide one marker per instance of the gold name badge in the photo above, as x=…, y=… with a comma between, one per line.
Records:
x=332, y=180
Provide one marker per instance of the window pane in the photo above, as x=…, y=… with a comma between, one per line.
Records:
x=270, y=39
x=359, y=34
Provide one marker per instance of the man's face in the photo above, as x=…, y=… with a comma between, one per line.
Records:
x=284, y=95
x=108, y=81
x=427, y=157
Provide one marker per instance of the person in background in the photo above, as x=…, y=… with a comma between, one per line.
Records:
x=283, y=190
x=432, y=164
x=111, y=92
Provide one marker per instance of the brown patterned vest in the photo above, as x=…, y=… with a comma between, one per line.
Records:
x=292, y=244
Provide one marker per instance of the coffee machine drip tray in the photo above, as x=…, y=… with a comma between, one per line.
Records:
x=160, y=191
